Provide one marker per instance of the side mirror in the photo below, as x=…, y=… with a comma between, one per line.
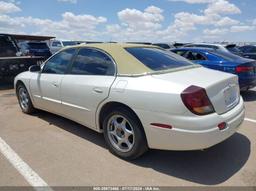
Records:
x=35, y=68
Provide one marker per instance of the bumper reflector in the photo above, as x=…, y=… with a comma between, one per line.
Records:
x=222, y=126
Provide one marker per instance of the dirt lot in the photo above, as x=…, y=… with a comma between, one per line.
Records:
x=64, y=153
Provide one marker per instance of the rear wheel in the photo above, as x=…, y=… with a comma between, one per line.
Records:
x=24, y=100
x=124, y=134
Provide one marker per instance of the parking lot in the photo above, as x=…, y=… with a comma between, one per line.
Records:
x=63, y=153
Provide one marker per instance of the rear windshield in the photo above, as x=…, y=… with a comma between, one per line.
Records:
x=38, y=45
x=226, y=55
x=234, y=49
x=157, y=59
x=69, y=43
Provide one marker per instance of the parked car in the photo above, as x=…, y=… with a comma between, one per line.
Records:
x=179, y=44
x=11, y=60
x=33, y=48
x=225, y=48
x=88, y=42
x=139, y=96
x=164, y=45
x=56, y=45
x=249, y=51
x=224, y=61
x=142, y=43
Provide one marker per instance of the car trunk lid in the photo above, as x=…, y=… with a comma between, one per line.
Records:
x=222, y=88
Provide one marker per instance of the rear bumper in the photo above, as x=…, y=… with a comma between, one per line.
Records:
x=246, y=83
x=191, y=133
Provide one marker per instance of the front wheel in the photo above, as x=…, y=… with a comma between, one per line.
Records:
x=124, y=134
x=24, y=100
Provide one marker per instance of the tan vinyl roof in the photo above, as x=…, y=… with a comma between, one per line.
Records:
x=126, y=63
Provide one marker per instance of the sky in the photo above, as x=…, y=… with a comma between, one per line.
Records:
x=132, y=20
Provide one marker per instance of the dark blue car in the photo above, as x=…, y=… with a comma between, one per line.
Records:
x=40, y=49
x=223, y=61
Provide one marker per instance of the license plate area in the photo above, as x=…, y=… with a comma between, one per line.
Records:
x=231, y=95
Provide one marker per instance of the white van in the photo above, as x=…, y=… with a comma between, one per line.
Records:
x=56, y=45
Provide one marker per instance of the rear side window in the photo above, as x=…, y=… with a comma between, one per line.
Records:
x=157, y=59
x=180, y=52
x=92, y=62
x=194, y=56
x=58, y=64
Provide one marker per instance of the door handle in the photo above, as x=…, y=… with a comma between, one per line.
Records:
x=98, y=90
x=55, y=84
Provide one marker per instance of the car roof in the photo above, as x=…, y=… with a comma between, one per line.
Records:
x=195, y=48
x=126, y=63
x=210, y=44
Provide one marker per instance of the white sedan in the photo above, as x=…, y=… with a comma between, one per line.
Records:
x=139, y=96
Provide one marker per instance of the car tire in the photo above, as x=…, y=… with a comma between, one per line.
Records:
x=24, y=100
x=124, y=134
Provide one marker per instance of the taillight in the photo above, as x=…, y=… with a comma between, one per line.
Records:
x=241, y=69
x=196, y=100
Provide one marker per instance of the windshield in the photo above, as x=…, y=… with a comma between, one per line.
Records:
x=158, y=59
x=69, y=43
x=33, y=45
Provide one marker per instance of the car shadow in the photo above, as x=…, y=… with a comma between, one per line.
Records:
x=210, y=167
x=72, y=127
x=249, y=96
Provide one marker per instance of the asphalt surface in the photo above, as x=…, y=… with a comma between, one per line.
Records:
x=64, y=153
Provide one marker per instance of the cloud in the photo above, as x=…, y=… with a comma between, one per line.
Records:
x=226, y=21
x=8, y=7
x=68, y=1
x=137, y=25
x=193, y=1
x=254, y=22
x=222, y=7
x=242, y=28
x=71, y=26
x=133, y=24
x=147, y=24
x=134, y=19
x=215, y=32
x=213, y=15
